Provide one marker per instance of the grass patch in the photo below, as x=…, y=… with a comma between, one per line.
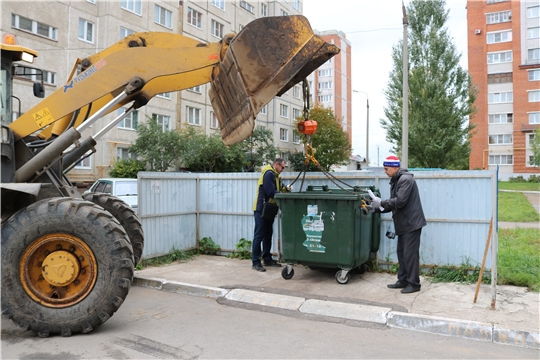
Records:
x=465, y=273
x=521, y=186
x=519, y=258
x=174, y=255
x=514, y=207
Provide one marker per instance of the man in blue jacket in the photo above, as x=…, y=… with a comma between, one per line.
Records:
x=408, y=216
x=269, y=184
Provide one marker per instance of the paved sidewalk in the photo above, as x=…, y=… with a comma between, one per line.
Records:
x=440, y=308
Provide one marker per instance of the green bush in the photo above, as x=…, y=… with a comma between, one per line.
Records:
x=243, y=250
x=126, y=168
x=534, y=179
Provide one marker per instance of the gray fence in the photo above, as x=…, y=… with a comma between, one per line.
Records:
x=177, y=209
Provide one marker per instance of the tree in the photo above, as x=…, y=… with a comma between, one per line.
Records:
x=535, y=145
x=156, y=148
x=258, y=148
x=126, y=168
x=330, y=142
x=207, y=153
x=441, y=93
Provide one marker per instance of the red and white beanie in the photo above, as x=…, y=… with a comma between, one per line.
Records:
x=391, y=161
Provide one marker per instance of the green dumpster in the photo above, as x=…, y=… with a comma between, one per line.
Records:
x=324, y=227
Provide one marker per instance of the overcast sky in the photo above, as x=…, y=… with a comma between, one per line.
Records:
x=373, y=27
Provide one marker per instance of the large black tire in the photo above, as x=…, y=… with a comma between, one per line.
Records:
x=126, y=216
x=67, y=266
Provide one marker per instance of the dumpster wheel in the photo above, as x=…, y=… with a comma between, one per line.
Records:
x=287, y=275
x=342, y=277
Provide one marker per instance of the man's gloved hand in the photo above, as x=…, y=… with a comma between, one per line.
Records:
x=289, y=187
x=375, y=200
x=370, y=209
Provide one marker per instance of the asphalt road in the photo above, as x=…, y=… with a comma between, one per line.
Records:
x=159, y=325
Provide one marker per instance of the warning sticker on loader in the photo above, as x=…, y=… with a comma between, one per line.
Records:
x=43, y=117
x=313, y=226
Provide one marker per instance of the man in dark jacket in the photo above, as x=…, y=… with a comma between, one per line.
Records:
x=408, y=216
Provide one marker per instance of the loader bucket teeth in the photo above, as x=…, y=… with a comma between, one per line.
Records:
x=268, y=57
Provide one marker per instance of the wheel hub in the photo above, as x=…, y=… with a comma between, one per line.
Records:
x=60, y=268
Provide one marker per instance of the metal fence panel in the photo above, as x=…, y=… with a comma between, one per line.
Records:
x=178, y=208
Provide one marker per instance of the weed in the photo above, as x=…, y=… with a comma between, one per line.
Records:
x=208, y=246
x=465, y=273
x=174, y=255
x=243, y=250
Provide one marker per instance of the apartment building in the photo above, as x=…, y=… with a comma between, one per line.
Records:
x=504, y=61
x=331, y=83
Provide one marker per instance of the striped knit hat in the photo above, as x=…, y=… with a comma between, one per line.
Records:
x=391, y=161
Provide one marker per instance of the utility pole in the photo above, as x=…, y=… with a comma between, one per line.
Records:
x=405, y=124
x=367, y=124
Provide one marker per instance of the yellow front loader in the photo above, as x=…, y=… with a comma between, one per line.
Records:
x=67, y=263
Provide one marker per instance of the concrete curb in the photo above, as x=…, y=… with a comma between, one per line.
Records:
x=375, y=314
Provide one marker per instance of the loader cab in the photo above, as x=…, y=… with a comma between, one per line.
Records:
x=15, y=58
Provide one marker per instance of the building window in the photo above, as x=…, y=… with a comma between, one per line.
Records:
x=248, y=7
x=325, y=72
x=85, y=163
x=194, y=18
x=86, y=31
x=296, y=5
x=125, y=32
x=500, y=118
x=533, y=54
x=499, y=17
x=283, y=134
x=123, y=153
x=296, y=138
x=166, y=95
x=500, y=139
x=499, y=57
x=533, y=11
x=129, y=122
x=214, y=123
x=34, y=27
x=500, y=78
x=193, y=115
x=325, y=85
x=132, y=5
x=264, y=10
x=220, y=4
x=296, y=92
x=530, y=141
x=498, y=37
x=534, y=96
x=196, y=89
x=297, y=113
x=164, y=121
x=162, y=16
x=264, y=110
x=502, y=97
x=325, y=98
x=501, y=160
x=495, y=1
x=283, y=111
x=533, y=33
x=534, y=75
x=534, y=118
x=217, y=29
x=283, y=12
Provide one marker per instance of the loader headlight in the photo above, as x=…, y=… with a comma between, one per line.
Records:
x=5, y=135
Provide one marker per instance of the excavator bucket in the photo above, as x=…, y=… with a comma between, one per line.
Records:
x=267, y=57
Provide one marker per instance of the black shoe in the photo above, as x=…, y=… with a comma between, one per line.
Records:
x=258, y=267
x=397, y=285
x=272, y=263
x=410, y=289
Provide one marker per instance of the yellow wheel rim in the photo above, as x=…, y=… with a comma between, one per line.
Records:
x=58, y=270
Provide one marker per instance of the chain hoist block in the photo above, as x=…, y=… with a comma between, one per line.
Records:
x=307, y=127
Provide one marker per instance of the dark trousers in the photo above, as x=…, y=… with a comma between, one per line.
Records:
x=262, y=236
x=408, y=253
